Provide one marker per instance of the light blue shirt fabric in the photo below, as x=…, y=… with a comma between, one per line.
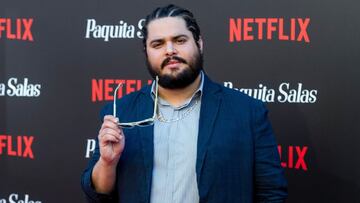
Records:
x=175, y=148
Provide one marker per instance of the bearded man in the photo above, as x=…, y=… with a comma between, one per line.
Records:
x=183, y=139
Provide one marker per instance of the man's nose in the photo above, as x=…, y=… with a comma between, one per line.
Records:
x=170, y=49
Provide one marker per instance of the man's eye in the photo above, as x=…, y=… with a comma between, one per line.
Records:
x=181, y=41
x=156, y=45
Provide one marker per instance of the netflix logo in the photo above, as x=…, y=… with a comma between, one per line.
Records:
x=16, y=29
x=247, y=29
x=103, y=89
x=293, y=157
x=19, y=146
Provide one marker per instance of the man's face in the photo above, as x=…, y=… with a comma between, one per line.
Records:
x=172, y=53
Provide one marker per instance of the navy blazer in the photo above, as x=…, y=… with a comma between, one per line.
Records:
x=237, y=158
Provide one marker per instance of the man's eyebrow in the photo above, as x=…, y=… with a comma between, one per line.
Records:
x=179, y=36
x=175, y=37
x=156, y=40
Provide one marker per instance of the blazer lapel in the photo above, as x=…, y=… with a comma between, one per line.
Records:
x=210, y=104
x=145, y=110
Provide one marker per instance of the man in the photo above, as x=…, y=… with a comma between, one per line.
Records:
x=205, y=143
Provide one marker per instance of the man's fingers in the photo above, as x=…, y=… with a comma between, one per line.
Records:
x=111, y=118
x=109, y=138
x=117, y=133
x=109, y=124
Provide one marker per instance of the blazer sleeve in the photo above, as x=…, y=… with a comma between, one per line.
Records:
x=91, y=195
x=270, y=183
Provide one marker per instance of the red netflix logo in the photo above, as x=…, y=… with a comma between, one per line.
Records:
x=20, y=146
x=293, y=157
x=103, y=89
x=242, y=29
x=19, y=29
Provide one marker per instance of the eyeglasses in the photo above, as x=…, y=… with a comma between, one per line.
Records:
x=142, y=123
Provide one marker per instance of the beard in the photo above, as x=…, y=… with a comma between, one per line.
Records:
x=182, y=79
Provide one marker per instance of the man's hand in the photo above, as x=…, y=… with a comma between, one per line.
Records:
x=111, y=141
x=111, y=144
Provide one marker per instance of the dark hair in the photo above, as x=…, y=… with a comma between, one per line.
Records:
x=172, y=11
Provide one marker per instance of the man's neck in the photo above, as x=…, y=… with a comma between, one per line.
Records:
x=177, y=97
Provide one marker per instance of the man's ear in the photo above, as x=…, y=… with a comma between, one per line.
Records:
x=200, y=43
x=145, y=51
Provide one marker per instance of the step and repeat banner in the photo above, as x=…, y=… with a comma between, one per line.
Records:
x=60, y=62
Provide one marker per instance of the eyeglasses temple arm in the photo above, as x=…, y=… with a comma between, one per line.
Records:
x=114, y=103
x=156, y=96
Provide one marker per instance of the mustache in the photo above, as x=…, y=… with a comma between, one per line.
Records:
x=174, y=58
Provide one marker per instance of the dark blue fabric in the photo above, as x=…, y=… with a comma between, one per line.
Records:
x=237, y=157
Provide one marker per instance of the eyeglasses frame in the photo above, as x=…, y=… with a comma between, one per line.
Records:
x=142, y=123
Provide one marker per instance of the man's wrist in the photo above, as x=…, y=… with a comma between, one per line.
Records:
x=108, y=164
